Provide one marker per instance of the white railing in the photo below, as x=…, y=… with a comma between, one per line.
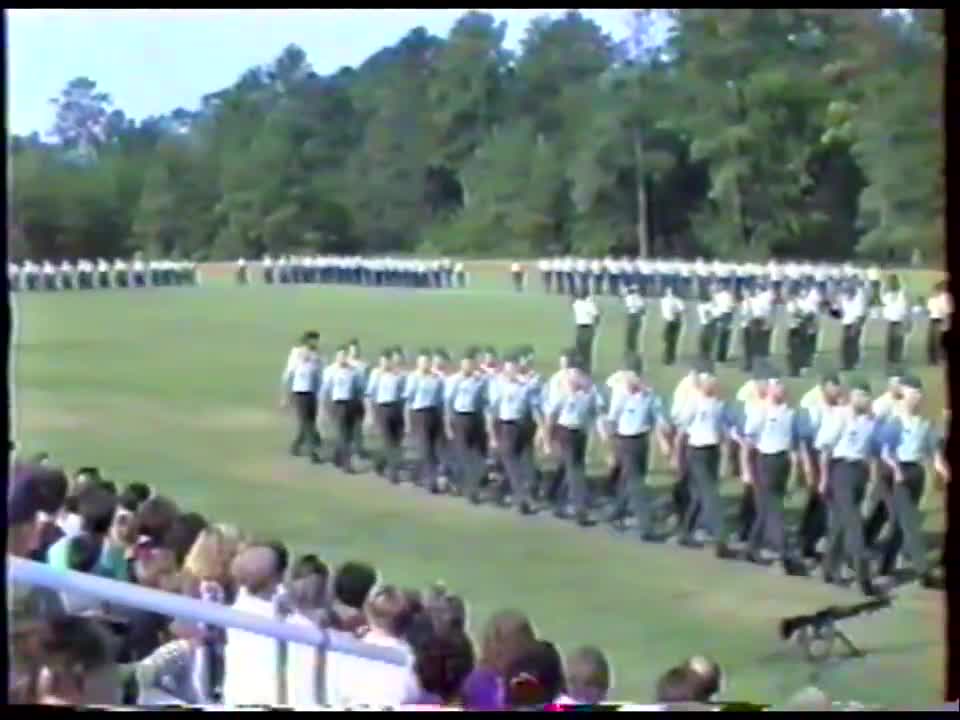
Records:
x=28, y=572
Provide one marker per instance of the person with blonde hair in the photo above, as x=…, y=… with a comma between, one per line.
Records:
x=506, y=635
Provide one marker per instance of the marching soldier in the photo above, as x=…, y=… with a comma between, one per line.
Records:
x=340, y=390
x=511, y=403
x=585, y=317
x=909, y=443
x=708, y=330
x=66, y=275
x=671, y=308
x=847, y=455
x=635, y=306
x=795, y=337
x=566, y=432
x=635, y=413
x=583, y=276
x=49, y=276
x=283, y=270
x=139, y=272
x=533, y=419
x=771, y=440
x=121, y=277
x=385, y=407
x=445, y=454
x=596, y=273
x=852, y=313
x=362, y=369
x=460, y=274
x=31, y=275
x=516, y=270
x=546, y=273
x=724, y=305
x=267, y=265
x=153, y=272
x=424, y=404
x=301, y=383
x=896, y=309
x=751, y=399
x=810, y=306
x=13, y=276
x=939, y=309
x=241, y=271
x=103, y=274
x=465, y=403
x=886, y=408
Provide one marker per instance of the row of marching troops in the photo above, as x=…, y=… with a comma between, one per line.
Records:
x=355, y=270
x=477, y=425
x=101, y=274
x=692, y=280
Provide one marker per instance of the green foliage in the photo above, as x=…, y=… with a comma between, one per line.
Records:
x=750, y=132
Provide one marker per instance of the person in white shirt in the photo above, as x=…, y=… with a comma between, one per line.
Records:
x=939, y=309
x=724, y=304
x=853, y=312
x=252, y=662
x=66, y=275
x=49, y=276
x=516, y=271
x=708, y=330
x=308, y=599
x=139, y=272
x=546, y=273
x=301, y=384
x=874, y=278
x=635, y=307
x=585, y=316
x=353, y=680
x=896, y=309
x=596, y=275
x=583, y=275
x=671, y=308
x=267, y=265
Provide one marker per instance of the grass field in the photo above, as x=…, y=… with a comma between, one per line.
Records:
x=179, y=388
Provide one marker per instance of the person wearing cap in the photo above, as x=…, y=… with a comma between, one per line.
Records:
x=939, y=310
x=301, y=382
x=671, y=309
x=770, y=442
x=909, y=443
x=511, y=403
x=896, y=311
x=384, y=395
x=424, y=406
x=849, y=453
x=704, y=424
x=340, y=390
x=465, y=401
x=634, y=305
x=636, y=412
x=585, y=317
x=568, y=422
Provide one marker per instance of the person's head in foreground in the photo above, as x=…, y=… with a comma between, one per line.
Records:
x=442, y=664
x=535, y=677
x=155, y=517
x=256, y=571
x=385, y=610
x=683, y=683
x=209, y=558
x=588, y=676
x=79, y=665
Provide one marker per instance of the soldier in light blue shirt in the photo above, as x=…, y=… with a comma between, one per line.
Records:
x=301, y=380
x=385, y=406
x=534, y=420
x=424, y=405
x=511, y=404
x=909, y=443
x=465, y=401
x=445, y=452
x=773, y=431
x=635, y=413
x=849, y=452
x=705, y=423
x=340, y=391
x=362, y=370
x=567, y=429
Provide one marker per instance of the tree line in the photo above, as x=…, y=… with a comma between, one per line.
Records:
x=747, y=133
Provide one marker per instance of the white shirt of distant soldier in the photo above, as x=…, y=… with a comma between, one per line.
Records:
x=585, y=311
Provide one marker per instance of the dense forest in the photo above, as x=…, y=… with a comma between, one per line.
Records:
x=747, y=133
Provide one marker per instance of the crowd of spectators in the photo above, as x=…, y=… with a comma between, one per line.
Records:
x=71, y=650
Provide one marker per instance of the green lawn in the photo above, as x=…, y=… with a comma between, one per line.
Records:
x=179, y=388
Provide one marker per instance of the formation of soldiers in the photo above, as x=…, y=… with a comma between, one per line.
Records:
x=101, y=274
x=477, y=426
x=356, y=270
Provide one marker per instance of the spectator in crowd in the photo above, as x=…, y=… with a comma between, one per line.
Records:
x=155, y=518
x=507, y=634
x=351, y=586
x=308, y=600
x=307, y=565
x=588, y=677
x=236, y=539
x=710, y=673
x=681, y=684
x=96, y=509
x=443, y=662
x=154, y=568
x=80, y=553
x=183, y=533
x=51, y=489
x=251, y=660
x=79, y=665
x=83, y=478
x=352, y=680
x=535, y=677
x=124, y=530
x=137, y=492
x=108, y=485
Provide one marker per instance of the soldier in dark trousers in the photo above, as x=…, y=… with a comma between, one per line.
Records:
x=267, y=266
x=896, y=313
x=567, y=427
x=939, y=308
x=636, y=413
x=301, y=382
x=242, y=272
x=724, y=305
x=424, y=405
x=671, y=308
x=585, y=317
x=852, y=313
x=772, y=430
x=847, y=455
x=510, y=406
x=795, y=338
x=705, y=424
x=362, y=369
x=340, y=391
x=706, y=342
x=634, y=304
x=464, y=424
x=909, y=443
x=385, y=405
x=516, y=270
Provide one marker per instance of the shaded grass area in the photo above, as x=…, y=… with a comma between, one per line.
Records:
x=180, y=389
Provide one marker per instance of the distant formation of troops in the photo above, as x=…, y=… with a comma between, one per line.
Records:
x=477, y=424
x=101, y=274
x=356, y=270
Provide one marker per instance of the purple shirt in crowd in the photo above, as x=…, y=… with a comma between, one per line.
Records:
x=483, y=690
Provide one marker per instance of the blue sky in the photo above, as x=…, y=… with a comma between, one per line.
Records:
x=152, y=61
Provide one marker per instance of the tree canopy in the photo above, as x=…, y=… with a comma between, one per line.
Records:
x=750, y=133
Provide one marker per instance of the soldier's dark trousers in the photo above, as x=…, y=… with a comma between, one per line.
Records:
x=845, y=491
x=633, y=453
x=427, y=428
x=724, y=331
x=242, y=276
x=706, y=340
x=633, y=331
x=747, y=512
x=518, y=281
x=469, y=450
x=359, y=412
x=268, y=276
x=850, y=346
x=344, y=416
x=770, y=486
x=881, y=506
x=583, y=342
x=389, y=419
x=305, y=405
x=908, y=522
x=516, y=462
x=572, y=445
x=671, y=334
x=545, y=277
x=794, y=351
x=749, y=347
x=704, y=481
x=682, y=498
x=934, y=341
x=895, y=342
